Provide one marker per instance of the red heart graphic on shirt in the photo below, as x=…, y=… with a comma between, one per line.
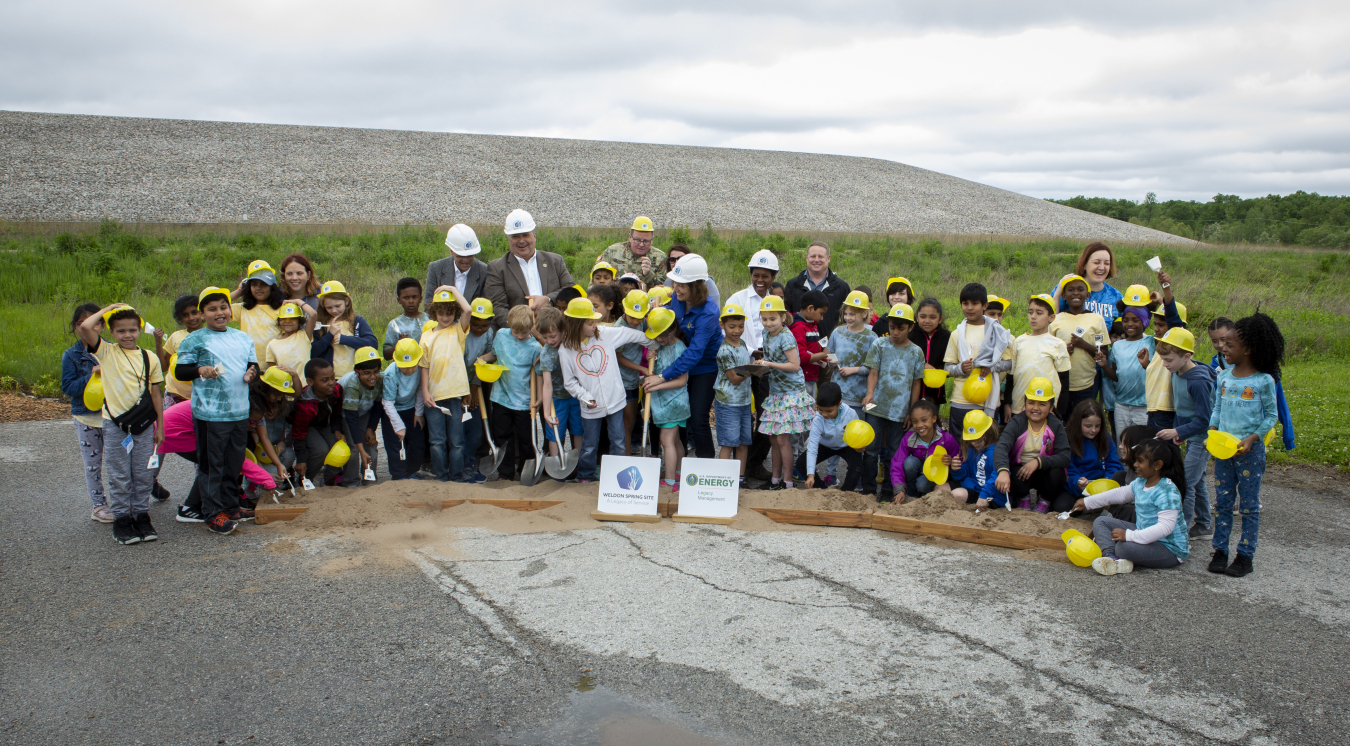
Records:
x=593, y=360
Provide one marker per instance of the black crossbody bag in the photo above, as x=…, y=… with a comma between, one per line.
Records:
x=134, y=421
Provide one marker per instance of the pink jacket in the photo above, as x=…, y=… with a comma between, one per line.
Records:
x=910, y=445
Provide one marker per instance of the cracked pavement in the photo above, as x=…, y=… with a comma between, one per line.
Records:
x=831, y=636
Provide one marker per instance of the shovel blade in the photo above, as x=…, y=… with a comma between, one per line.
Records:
x=553, y=465
x=529, y=473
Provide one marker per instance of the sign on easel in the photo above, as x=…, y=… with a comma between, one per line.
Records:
x=628, y=489
x=709, y=490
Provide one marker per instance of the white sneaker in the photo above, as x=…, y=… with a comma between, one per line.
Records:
x=101, y=514
x=1104, y=565
x=1123, y=566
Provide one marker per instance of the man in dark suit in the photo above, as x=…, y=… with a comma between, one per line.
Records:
x=524, y=276
x=461, y=269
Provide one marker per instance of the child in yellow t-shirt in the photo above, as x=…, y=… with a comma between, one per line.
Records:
x=1085, y=334
x=290, y=351
x=1157, y=379
x=1038, y=354
x=260, y=297
x=445, y=385
x=186, y=313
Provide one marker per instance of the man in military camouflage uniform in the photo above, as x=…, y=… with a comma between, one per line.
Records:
x=637, y=255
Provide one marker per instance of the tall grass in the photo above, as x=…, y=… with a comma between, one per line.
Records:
x=46, y=274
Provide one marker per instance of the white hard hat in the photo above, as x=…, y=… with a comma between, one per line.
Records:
x=519, y=221
x=689, y=268
x=462, y=240
x=764, y=259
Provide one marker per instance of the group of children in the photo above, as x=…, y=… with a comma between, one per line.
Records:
x=301, y=390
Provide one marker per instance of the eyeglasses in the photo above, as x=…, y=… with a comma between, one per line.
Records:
x=641, y=241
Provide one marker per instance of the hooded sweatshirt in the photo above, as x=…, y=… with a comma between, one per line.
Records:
x=912, y=445
x=1014, y=438
x=1193, y=396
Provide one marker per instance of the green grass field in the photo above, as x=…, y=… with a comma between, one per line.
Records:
x=46, y=275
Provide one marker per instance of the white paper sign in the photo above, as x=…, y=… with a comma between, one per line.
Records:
x=628, y=485
x=710, y=487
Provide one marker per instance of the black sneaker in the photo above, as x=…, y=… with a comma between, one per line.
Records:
x=221, y=524
x=145, y=528
x=1219, y=563
x=124, y=530
x=188, y=515
x=1200, y=532
x=1241, y=566
x=158, y=493
x=775, y=486
x=239, y=515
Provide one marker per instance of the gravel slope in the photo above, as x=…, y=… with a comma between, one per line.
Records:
x=58, y=167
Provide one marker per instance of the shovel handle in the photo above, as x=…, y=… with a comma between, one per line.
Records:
x=647, y=405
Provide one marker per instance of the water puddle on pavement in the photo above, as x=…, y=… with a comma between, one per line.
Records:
x=596, y=716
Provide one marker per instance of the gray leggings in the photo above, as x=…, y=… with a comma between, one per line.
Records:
x=91, y=450
x=1142, y=555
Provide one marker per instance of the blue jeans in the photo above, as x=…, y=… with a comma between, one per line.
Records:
x=414, y=439
x=590, y=443
x=1195, y=506
x=916, y=484
x=445, y=429
x=881, y=449
x=1236, y=478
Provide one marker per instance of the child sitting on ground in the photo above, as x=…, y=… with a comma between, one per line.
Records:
x=670, y=400
x=917, y=445
x=731, y=398
x=407, y=325
x=561, y=410
x=827, y=437
x=1157, y=537
x=362, y=394
x=133, y=417
x=894, y=379
x=404, y=421
x=1035, y=441
x=973, y=468
x=1193, y=398
x=316, y=425
x=1246, y=408
x=1093, y=451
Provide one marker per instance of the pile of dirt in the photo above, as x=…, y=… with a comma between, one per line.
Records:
x=802, y=499
x=940, y=507
x=23, y=408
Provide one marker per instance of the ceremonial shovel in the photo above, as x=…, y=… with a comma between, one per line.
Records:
x=561, y=465
x=489, y=464
x=647, y=412
x=529, y=473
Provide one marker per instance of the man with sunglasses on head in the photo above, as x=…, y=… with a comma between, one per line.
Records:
x=637, y=255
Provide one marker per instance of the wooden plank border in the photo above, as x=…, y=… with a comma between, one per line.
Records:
x=989, y=537
x=841, y=518
x=624, y=518
x=268, y=513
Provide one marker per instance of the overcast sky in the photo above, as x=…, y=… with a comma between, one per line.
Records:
x=1181, y=98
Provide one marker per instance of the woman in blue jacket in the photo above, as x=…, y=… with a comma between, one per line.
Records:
x=77, y=366
x=697, y=316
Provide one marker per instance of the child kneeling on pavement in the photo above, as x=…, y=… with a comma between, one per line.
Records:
x=827, y=437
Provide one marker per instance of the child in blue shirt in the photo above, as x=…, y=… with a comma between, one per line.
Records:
x=511, y=427
x=362, y=397
x=973, y=468
x=1193, y=398
x=1157, y=537
x=826, y=438
x=731, y=390
x=849, y=344
x=1092, y=450
x=408, y=324
x=1121, y=364
x=670, y=400
x=1245, y=407
x=405, y=427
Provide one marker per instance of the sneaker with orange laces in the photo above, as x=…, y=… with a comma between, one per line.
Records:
x=239, y=515
x=221, y=524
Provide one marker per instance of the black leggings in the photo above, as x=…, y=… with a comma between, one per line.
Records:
x=511, y=430
x=1049, y=485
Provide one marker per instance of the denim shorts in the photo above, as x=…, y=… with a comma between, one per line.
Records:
x=569, y=417
x=630, y=395
x=734, y=426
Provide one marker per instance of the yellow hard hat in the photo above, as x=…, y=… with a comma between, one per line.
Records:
x=209, y=291
x=858, y=434
x=901, y=281
x=643, y=223
x=407, y=353
x=603, y=265
x=1098, y=486
x=635, y=304
x=173, y=364
x=121, y=307
x=1082, y=551
x=901, y=311
x=933, y=468
x=1048, y=299
x=734, y=310
x=338, y=455
x=1136, y=295
x=1179, y=338
x=331, y=287
x=934, y=378
x=290, y=311
x=481, y=308
x=93, y=393
x=1002, y=302
x=444, y=294
x=858, y=299
x=1072, y=278
x=1039, y=389
x=489, y=372
x=582, y=308
x=978, y=387
x=975, y=424
x=772, y=303
x=1161, y=311
x=1222, y=445
x=658, y=321
x=365, y=355
x=279, y=380
x=660, y=294
x=261, y=270
x=428, y=326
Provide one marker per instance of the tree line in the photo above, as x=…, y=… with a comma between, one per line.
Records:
x=1301, y=218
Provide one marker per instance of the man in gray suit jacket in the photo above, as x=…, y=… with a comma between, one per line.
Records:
x=460, y=266
x=524, y=276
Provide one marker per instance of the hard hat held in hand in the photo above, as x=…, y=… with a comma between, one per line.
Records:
x=462, y=240
x=858, y=434
x=978, y=387
x=93, y=393
x=689, y=268
x=764, y=259
x=933, y=468
x=279, y=380
x=338, y=455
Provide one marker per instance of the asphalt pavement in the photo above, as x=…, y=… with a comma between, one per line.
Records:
x=622, y=635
